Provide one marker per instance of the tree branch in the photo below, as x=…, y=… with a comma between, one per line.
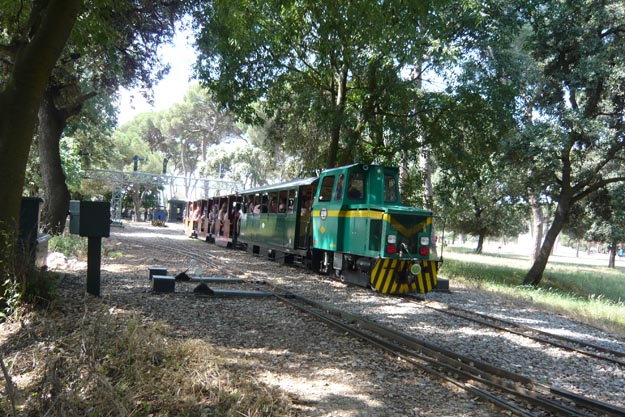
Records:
x=596, y=186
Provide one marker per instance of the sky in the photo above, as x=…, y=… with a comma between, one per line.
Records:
x=180, y=56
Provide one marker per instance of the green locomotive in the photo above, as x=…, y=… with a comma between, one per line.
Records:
x=349, y=221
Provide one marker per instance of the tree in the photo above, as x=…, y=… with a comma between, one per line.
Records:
x=577, y=48
x=333, y=67
x=125, y=54
x=465, y=126
x=130, y=145
x=33, y=40
x=190, y=127
x=607, y=209
x=473, y=186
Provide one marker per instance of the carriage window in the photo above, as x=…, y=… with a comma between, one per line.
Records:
x=273, y=203
x=291, y=202
x=325, y=194
x=356, y=188
x=338, y=194
x=390, y=188
x=282, y=202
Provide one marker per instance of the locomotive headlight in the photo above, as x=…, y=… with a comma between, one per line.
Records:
x=424, y=241
x=391, y=244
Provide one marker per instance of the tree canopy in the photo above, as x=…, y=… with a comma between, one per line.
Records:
x=334, y=68
x=577, y=49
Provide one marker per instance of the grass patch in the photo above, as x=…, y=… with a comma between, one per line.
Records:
x=77, y=246
x=68, y=245
x=592, y=294
x=114, y=363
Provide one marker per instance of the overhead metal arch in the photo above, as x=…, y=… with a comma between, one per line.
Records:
x=194, y=188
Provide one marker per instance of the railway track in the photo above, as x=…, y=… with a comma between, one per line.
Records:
x=513, y=392
x=510, y=391
x=559, y=341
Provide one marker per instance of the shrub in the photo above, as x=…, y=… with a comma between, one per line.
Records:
x=68, y=245
x=20, y=281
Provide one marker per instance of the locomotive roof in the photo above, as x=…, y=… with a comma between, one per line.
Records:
x=281, y=186
x=305, y=181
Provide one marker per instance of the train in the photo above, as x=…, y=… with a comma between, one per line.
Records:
x=348, y=222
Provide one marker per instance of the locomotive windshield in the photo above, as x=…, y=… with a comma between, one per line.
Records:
x=390, y=188
x=356, y=188
x=325, y=193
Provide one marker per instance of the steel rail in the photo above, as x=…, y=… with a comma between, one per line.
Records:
x=441, y=358
x=462, y=361
x=421, y=362
x=401, y=344
x=483, y=320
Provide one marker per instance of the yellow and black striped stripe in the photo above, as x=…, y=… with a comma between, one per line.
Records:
x=385, y=274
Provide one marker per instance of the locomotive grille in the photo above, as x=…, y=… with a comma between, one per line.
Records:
x=408, y=227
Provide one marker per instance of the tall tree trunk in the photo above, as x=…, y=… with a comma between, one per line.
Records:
x=426, y=170
x=480, y=241
x=337, y=122
x=23, y=90
x=538, y=220
x=535, y=274
x=136, y=201
x=52, y=122
x=612, y=258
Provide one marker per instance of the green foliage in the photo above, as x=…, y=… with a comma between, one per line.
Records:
x=71, y=161
x=68, y=245
x=10, y=294
x=330, y=72
x=20, y=282
x=608, y=214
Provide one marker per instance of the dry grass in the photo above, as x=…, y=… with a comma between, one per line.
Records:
x=106, y=362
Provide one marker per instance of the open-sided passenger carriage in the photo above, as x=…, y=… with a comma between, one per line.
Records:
x=214, y=219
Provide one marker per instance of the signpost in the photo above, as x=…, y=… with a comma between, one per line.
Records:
x=91, y=219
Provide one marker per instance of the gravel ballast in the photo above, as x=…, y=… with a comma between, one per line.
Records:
x=326, y=372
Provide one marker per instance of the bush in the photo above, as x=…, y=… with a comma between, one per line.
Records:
x=68, y=245
x=20, y=281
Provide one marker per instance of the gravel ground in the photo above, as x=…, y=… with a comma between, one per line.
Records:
x=328, y=373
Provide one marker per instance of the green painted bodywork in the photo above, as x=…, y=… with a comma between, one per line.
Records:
x=361, y=226
x=278, y=230
x=341, y=221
